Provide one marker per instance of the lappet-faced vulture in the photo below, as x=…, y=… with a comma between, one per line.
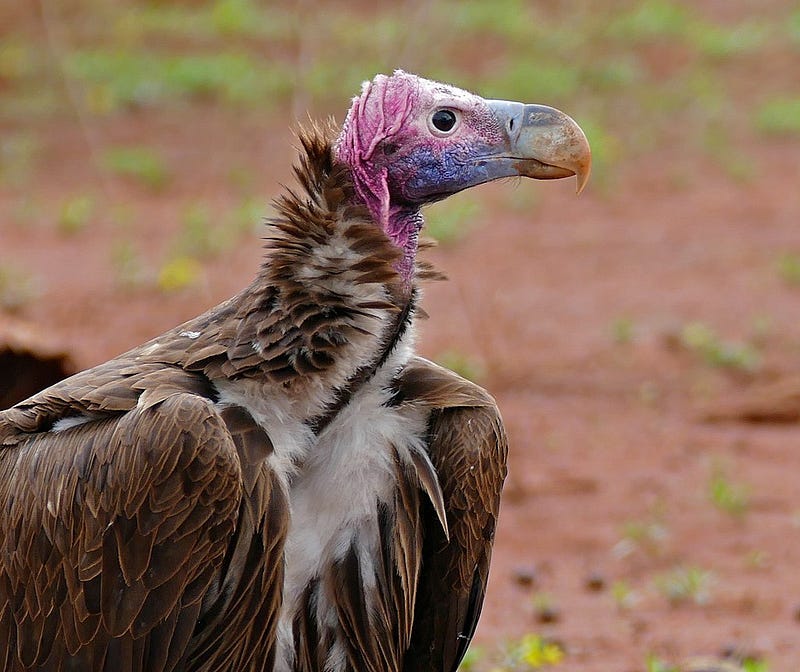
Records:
x=281, y=483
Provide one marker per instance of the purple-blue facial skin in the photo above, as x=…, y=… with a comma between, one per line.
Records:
x=403, y=152
x=428, y=174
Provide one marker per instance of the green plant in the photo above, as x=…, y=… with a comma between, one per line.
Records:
x=235, y=17
x=698, y=337
x=654, y=664
x=17, y=59
x=755, y=665
x=202, y=22
x=507, y=19
x=728, y=496
x=722, y=42
x=648, y=535
x=616, y=73
x=779, y=116
x=651, y=19
x=532, y=652
x=179, y=273
x=75, y=214
x=464, y=365
x=623, y=330
x=120, y=79
x=793, y=26
x=685, y=584
x=556, y=80
x=623, y=595
x=142, y=164
x=789, y=268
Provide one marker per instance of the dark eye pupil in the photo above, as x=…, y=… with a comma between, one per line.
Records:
x=444, y=120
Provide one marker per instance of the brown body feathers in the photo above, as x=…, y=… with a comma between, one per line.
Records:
x=148, y=502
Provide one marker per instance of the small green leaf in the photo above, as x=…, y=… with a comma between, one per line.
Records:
x=75, y=214
x=179, y=273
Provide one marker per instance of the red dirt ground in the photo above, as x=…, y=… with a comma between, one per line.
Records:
x=602, y=433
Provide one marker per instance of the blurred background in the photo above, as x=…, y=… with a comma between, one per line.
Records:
x=643, y=340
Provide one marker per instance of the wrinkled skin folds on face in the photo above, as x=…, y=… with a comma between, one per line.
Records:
x=401, y=159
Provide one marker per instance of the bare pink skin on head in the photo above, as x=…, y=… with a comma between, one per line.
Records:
x=409, y=141
x=377, y=115
x=385, y=124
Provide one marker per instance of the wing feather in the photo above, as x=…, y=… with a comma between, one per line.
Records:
x=467, y=447
x=110, y=548
x=240, y=610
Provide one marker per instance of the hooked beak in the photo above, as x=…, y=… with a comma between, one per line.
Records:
x=542, y=143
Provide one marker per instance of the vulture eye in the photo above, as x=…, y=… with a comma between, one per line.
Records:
x=443, y=122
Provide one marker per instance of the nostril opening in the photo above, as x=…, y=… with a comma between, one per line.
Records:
x=510, y=124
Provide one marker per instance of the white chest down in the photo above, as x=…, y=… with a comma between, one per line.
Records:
x=344, y=476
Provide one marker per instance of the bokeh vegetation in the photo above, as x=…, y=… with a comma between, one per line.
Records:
x=639, y=74
x=642, y=77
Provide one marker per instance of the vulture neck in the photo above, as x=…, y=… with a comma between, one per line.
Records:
x=403, y=226
x=401, y=222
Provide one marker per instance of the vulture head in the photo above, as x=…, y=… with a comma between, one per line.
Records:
x=409, y=141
